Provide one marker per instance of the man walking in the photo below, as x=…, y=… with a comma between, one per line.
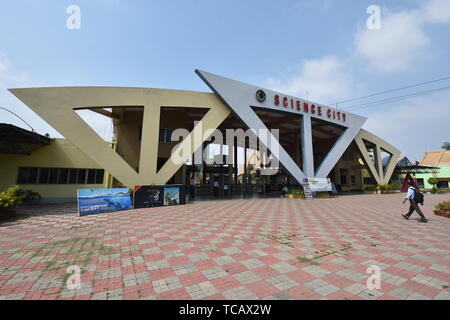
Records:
x=414, y=206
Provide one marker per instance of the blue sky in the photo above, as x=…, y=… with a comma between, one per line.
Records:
x=321, y=47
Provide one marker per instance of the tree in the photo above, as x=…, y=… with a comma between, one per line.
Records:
x=446, y=146
x=433, y=182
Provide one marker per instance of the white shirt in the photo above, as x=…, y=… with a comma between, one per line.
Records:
x=410, y=194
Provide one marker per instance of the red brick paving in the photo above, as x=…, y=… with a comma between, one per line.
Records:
x=244, y=249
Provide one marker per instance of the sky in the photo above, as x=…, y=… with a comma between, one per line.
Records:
x=322, y=50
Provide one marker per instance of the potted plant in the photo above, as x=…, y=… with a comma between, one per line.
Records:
x=10, y=200
x=443, y=209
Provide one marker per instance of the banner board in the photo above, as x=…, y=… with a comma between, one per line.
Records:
x=159, y=196
x=95, y=201
x=319, y=184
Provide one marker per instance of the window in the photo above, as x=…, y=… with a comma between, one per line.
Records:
x=344, y=173
x=165, y=135
x=60, y=176
x=353, y=179
x=63, y=176
x=43, y=175
x=442, y=184
x=91, y=176
x=369, y=181
x=420, y=182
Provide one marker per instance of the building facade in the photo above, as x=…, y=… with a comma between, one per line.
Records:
x=441, y=160
x=297, y=139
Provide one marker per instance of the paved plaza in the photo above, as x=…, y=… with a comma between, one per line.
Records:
x=240, y=249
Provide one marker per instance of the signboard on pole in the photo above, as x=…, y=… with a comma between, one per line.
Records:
x=320, y=184
x=307, y=191
x=95, y=201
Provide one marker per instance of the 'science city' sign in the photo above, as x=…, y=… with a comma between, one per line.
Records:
x=302, y=106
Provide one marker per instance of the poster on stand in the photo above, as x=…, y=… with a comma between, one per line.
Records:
x=95, y=201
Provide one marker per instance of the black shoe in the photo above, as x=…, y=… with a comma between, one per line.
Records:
x=405, y=216
x=423, y=220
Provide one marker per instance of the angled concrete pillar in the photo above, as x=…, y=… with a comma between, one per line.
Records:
x=307, y=147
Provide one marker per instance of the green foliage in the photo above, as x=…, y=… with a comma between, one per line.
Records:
x=385, y=187
x=370, y=188
x=10, y=198
x=446, y=146
x=296, y=192
x=433, y=181
x=443, y=206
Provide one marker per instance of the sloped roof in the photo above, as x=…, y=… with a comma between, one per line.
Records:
x=15, y=140
x=436, y=159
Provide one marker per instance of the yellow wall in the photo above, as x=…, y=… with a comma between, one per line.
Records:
x=59, y=154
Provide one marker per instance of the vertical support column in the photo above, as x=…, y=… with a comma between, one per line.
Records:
x=150, y=141
x=244, y=179
x=378, y=161
x=236, y=165
x=307, y=147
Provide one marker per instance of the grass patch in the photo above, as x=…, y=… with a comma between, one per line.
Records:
x=285, y=239
x=307, y=260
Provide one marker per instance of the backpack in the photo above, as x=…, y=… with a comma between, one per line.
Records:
x=418, y=196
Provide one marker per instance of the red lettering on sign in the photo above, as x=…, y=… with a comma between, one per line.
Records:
x=285, y=102
x=329, y=113
x=305, y=107
x=344, y=116
x=339, y=115
x=319, y=110
x=298, y=105
x=277, y=100
x=313, y=108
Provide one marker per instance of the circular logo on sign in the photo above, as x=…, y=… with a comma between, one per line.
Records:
x=260, y=96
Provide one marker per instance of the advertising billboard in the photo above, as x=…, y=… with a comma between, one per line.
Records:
x=95, y=201
x=319, y=184
x=159, y=196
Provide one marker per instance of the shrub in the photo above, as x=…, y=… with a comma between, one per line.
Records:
x=385, y=187
x=443, y=206
x=370, y=188
x=10, y=198
x=296, y=192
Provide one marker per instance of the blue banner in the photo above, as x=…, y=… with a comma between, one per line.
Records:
x=95, y=201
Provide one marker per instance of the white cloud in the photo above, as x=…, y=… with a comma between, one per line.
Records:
x=402, y=40
x=436, y=11
x=326, y=80
x=415, y=126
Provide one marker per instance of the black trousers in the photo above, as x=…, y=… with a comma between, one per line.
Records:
x=414, y=207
